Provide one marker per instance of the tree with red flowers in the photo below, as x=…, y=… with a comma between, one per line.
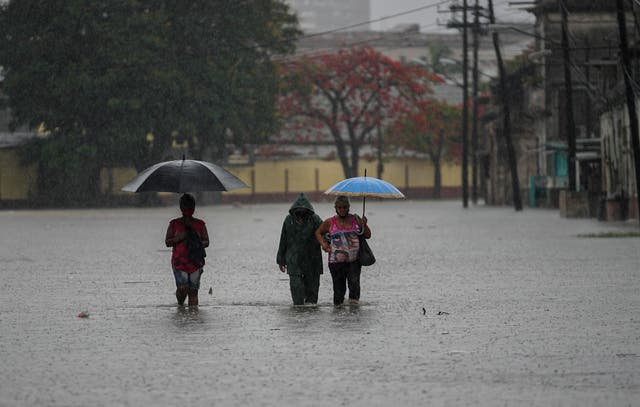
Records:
x=432, y=127
x=347, y=95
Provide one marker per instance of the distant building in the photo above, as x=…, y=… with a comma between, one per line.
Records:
x=317, y=16
x=603, y=168
x=410, y=46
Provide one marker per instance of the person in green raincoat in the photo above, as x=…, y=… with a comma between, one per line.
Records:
x=299, y=253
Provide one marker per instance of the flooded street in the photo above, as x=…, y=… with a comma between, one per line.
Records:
x=483, y=307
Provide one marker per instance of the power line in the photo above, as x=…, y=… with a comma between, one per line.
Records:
x=316, y=51
x=344, y=28
x=634, y=83
x=347, y=27
x=591, y=89
x=530, y=34
x=334, y=30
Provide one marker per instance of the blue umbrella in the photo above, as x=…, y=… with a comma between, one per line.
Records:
x=365, y=187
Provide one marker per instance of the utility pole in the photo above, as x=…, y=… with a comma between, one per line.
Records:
x=475, y=27
x=631, y=99
x=474, y=92
x=570, y=127
x=506, y=116
x=465, y=100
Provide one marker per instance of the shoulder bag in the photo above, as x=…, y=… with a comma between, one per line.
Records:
x=365, y=254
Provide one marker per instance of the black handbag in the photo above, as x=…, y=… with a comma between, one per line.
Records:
x=365, y=254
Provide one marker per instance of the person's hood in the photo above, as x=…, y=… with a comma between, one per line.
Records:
x=301, y=202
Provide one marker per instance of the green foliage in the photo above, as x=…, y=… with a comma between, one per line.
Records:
x=67, y=170
x=440, y=64
x=115, y=71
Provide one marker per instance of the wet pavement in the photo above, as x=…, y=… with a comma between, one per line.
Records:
x=483, y=307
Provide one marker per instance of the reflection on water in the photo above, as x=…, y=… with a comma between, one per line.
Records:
x=347, y=309
x=299, y=317
x=359, y=317
x=186, y=315
x=297, y=310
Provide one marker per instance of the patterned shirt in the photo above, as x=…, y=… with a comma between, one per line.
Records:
x=344, y=242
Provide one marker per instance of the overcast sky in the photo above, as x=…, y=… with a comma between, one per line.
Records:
x=428, y=18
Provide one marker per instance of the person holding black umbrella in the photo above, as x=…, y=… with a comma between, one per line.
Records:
x=188, y=237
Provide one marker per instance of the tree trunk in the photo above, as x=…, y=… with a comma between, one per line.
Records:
x=436, y=159
x=380, y=168
x=355, y=160
x=342, y=152
x=437, y=177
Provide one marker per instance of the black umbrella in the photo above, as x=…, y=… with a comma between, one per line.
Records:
x=184, y=176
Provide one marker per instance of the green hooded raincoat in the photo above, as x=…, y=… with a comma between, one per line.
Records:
x=299, y=250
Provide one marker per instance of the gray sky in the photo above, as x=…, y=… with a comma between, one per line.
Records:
x=428, y=18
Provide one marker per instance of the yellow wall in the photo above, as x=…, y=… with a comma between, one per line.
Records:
x=120, y=176
x=16, y=181
x=418, y=172
x=303, y=175
x=269, y=176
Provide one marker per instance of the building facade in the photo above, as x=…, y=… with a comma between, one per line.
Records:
x=601, y=172
x=318, y=16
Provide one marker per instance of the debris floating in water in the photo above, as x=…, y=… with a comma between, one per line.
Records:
x=83, y=314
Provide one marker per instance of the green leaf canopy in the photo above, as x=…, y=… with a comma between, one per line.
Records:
x=105, y=74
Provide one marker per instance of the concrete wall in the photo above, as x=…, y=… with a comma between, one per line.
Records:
x=16, y=181
x=268, y=180
x=272, y=175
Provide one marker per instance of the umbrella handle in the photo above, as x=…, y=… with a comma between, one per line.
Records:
x=364, y=198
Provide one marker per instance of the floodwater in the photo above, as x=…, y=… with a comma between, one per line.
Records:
x=482, y=307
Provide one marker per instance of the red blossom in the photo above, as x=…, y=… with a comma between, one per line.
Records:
x=349, y=93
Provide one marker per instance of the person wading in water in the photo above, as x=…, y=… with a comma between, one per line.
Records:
x=343, y=245
x=187, y=260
